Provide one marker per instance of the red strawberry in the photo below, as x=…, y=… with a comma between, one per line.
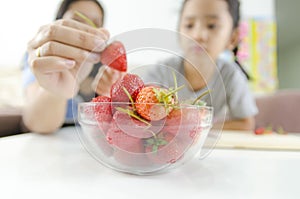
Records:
x=121, y=140
x=135, y=161
x=135, y=127
x=183, y=118
x=164, y=148
x=259, y=131
x=103, y=111
x=262, y=131
x=128, y=150
x=131, y=82
x=101, y=99
x=153, y=103
x=98, y=137
x=115, y=56
x=185, y=124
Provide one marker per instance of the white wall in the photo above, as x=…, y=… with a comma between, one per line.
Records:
x=258, y=8
x=20, y=19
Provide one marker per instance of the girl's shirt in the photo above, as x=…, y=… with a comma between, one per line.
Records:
x=229, y=95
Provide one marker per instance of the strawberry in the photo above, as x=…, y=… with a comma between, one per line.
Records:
x=164, y=148
x=154, y=103
x=115, y=56
x=128, y=150
x=262, y=131
x=101, y=99
x=183, y=118
x=131, y=82
x=121, y=140
x=135, y=161
x=103, y=111
x=99, y=138
x=136, y=127
x=259, y=131
x=185, y=124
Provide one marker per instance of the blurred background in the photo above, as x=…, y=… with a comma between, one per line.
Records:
x=269, y=50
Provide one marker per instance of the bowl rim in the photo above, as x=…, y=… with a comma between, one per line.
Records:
x=129, y=103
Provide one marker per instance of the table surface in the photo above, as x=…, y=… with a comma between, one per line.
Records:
x=249, y=140
x=58, y=166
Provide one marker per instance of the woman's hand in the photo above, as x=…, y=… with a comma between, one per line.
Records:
x=62, y=54
x=105, y=78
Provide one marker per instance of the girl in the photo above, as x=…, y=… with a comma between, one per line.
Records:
x=213, y=25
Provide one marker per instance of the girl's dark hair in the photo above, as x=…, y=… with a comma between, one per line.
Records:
x=65, y=4
x=234, y=10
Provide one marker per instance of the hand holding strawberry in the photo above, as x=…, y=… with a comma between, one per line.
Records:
x=114, y=54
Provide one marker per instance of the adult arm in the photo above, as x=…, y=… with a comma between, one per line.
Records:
x=61, y=55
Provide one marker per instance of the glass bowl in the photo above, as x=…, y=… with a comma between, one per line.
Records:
x=143, y=147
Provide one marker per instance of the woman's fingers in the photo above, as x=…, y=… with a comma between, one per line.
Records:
x=50, y=64
x=70, y=37
x=99, y=32
x=72, y=33
x=53, y=48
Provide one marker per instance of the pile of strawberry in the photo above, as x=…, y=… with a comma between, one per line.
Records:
x=144, y=124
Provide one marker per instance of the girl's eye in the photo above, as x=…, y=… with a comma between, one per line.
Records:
x=189, y=26
x=211, y=26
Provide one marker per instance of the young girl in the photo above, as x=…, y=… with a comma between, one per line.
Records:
x=213, y=25
x=54, y=61
x=212, y=28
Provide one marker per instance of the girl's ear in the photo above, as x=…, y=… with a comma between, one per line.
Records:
x=234, y=39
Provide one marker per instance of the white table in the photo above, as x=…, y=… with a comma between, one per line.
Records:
x=57, y=166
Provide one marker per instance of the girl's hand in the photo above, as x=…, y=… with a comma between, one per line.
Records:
x=62, y=54
x=105, y=78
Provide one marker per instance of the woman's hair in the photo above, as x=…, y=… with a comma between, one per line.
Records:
x=65, y=4
x=234, y=10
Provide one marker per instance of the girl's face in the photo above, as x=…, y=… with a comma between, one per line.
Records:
x=88, y=8
x=210, y=24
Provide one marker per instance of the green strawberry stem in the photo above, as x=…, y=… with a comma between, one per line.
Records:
x=269, y=128
x=174, y=91
x=132, y=114
x=164, y=97
x=90, y=22
x=202, y=95
x=129, y=96
x=280, y=130
x=175, y=84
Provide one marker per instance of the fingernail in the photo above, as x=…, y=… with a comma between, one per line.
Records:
x=69, y=63
x=100, y=45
